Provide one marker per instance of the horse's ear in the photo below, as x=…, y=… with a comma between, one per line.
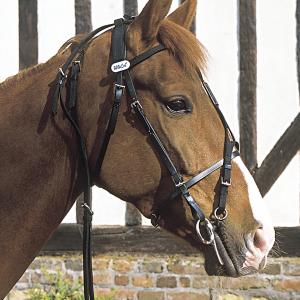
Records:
x=184, y=14
x=143, y=30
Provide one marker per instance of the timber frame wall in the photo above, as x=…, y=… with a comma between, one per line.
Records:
x=134, y=237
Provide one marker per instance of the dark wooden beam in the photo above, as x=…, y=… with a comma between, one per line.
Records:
x=279, y=157
x=248, y=82
x=83, y=16
x=132, y=216
x=28, y=33
x=107, y=239
x=130, y=7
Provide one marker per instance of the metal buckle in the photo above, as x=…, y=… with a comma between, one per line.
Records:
x=64, y=76
x=77, y=62
x=85, y=206
x=209, y=229
x=118, y=92
x=222, y=216
x=178, y=184
x=135, y=103
x=119, y=86
x=225, y=183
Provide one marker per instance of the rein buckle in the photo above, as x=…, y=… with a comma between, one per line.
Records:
x=78, y=63
x=118, y=92
x=136, y=103
x=119, y=86
x=225, y=183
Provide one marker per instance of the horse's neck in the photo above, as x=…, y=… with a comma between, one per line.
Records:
x=33, y=143
x=38, y=170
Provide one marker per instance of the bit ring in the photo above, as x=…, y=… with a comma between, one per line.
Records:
x=209, y=230
x=222, y=216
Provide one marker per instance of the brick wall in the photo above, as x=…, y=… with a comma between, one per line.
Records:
x=166, y=277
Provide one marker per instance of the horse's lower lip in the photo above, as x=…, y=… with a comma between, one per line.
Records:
x=230, y=267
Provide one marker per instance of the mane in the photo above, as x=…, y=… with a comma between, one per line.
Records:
x=13, y=80
x=191, y=54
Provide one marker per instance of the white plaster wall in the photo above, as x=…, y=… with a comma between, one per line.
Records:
x=278, y=101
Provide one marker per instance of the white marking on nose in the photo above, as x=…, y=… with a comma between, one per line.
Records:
x=258, y=206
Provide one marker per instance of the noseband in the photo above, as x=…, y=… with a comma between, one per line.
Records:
x=121, y=66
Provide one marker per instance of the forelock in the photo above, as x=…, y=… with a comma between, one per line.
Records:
x=191, y=54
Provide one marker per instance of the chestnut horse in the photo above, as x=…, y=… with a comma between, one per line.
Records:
x=41, y=176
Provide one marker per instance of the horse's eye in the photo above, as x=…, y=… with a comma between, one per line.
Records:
x=178, y=105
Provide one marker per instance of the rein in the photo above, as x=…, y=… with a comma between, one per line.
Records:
x=205, y=227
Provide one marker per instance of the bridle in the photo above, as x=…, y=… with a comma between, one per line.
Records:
x=205, y=227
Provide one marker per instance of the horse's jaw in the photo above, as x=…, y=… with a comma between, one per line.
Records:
x=230, y=268
x=212, y=263
x=234, y=258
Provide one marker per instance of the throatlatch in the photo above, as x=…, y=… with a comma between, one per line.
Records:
x=121, y=66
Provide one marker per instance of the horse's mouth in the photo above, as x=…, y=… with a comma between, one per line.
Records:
x=232, y=263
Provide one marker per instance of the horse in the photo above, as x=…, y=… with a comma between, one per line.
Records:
x=41, y=169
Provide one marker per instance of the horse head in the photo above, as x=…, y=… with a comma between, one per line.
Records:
x=181, y=109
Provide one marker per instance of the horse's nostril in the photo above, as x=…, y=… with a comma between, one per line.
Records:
x=260, y=240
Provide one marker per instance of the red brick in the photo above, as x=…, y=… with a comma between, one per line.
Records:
x=122, y=265
x=100, y=264
x=292, y=270
x=115, y=294
x=200, y=282
x=143, y=281
x=124, y=294
x=272, y=269
x=287, y=285
x=152, y=267
x=148, y=295
x=103, y=278
x=74, y=264
x=186, y=267
x=243, y=283
x=188, y=296
x=105, y=293
x=185, y=282
x=166, y=282
x=47, y=262
x=230, y=297
x=121, y=280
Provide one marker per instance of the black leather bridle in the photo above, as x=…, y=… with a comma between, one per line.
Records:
x=121, y=66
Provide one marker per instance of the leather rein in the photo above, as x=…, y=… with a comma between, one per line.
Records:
x=121, y=66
